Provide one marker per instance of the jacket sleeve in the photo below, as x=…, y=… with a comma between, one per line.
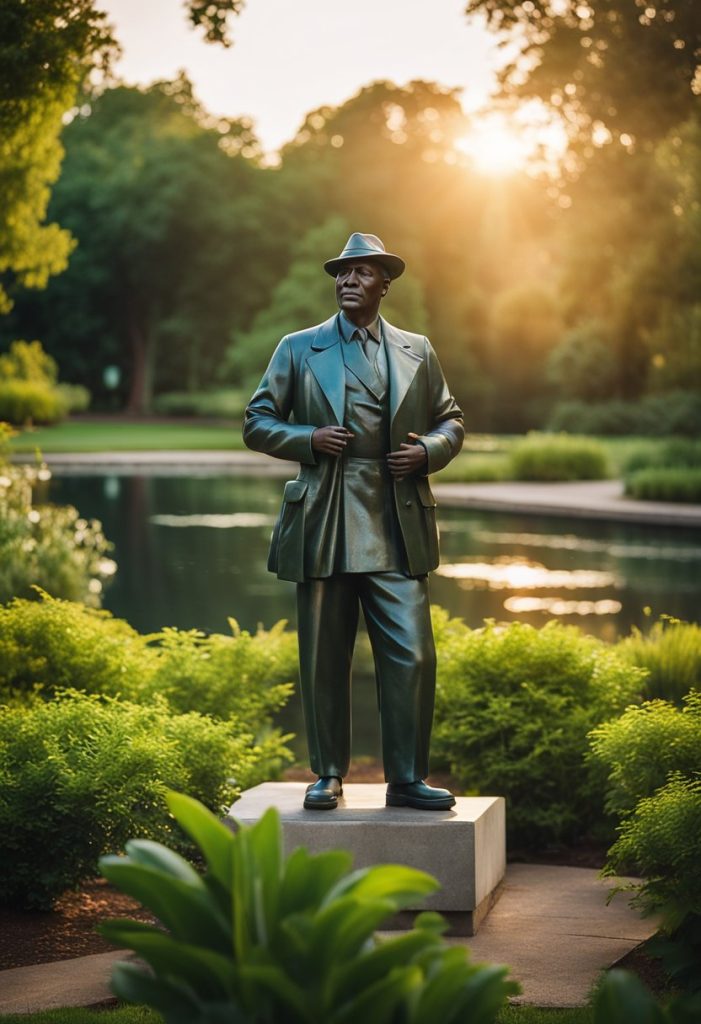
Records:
x=266, y=426
x=444, y=440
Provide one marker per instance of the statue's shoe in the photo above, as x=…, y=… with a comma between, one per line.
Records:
x=323, y=794
x=418, y=794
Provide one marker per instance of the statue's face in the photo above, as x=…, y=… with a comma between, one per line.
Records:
x=360, y=286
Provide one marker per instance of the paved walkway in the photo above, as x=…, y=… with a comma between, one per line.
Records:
x=551, y=925
x=590, y=499
x=585, y=499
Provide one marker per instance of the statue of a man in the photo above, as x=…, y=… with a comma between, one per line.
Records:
x=364, y=408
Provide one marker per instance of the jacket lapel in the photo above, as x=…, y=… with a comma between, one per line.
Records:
x=327, y=366
x=359, y=365
x=402, y=363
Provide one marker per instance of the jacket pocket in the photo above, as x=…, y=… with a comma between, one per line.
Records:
x=423, y=489
x=428, y=506
x=290, y=535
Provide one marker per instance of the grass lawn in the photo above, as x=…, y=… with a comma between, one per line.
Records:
x=140, y=1015
x=116, y=435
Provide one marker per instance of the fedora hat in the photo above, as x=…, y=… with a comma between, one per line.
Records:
x=366, y=247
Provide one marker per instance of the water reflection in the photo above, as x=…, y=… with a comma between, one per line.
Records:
x=192, y=550
x=217, y=522
x=519, y=574
x=557, y=607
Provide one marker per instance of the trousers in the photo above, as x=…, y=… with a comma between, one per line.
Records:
x=397, y=614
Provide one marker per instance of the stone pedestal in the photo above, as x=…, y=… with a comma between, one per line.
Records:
x=464, y=848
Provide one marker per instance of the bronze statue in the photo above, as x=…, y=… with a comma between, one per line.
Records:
x=365, y=410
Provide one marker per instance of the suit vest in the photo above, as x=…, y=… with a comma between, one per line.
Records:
x=370, y=539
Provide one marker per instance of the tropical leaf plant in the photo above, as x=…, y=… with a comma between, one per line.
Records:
x=262, y=938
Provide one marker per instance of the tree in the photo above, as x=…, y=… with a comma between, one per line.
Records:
x=48, y=50
x=171, y=252
x=630, y=67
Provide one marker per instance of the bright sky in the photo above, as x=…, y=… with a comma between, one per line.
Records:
x=291, y=56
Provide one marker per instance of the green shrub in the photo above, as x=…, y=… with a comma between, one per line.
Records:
x=660, y=840
x=469, y=468
x=621, y=998
x=27, y=401
x=260, y=939
x=243, y=674
x=653, y=757
x=680, y=452
x=674, y=484
x=50, y=645
x=46, y=545
x=227, y=403
x=641, y=749
x=558, y=457
x=671, y=654
x=514, y=706
x=676, y=412
x=79, y=774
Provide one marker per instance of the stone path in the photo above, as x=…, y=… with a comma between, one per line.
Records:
x=551, y=925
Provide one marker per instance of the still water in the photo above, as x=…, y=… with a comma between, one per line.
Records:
x=191, y=552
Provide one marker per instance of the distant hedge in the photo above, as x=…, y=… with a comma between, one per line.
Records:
x=677, y=412
x=558, y=457
x=673, y=484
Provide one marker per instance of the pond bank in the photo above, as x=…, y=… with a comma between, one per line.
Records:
x=590, y=499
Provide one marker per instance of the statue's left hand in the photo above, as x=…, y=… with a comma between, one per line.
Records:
x=411, y=458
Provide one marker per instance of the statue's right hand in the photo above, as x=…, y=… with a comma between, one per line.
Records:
x=330, y=440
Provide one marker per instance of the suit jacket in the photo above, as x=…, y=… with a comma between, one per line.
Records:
x=304, y=388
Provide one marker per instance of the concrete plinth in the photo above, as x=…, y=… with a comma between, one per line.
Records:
x=464, y=848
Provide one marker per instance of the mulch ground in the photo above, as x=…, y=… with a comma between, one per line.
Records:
x=67, y=931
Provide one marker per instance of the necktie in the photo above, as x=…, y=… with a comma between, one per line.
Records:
x=367, y=343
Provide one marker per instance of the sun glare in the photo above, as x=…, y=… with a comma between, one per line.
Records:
x=499, y=144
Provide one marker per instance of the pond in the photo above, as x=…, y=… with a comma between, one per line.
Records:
x=191, y=552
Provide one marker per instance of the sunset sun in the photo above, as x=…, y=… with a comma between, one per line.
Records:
x=499, y=144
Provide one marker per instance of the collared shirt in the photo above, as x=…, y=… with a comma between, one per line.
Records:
x=347, y=328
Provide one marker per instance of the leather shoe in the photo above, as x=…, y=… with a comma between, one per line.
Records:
x=418, y=794
x=323, y=794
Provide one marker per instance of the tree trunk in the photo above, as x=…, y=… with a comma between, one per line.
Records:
x=142, y=343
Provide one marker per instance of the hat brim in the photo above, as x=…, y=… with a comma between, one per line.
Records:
x=394, y=265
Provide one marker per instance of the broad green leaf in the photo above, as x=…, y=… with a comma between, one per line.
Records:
x=482, y=994
x=265, y=839
x=623, y=997
x=213, y=838
x=160, y=858
x=369, y=967
x=294, y=998
x=341, y=928
x=187, y=910
x=404, y=886
x=134, y=985
x=306, y=880
x=206, y=972
x=431, y=921
x=377, y=1004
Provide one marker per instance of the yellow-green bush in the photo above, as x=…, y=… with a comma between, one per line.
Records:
x=514, y=706
x=46, y=545
x=553, y=457
x=28, y=401
x=80, y=774
x=671, y=654
x=49, y=645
